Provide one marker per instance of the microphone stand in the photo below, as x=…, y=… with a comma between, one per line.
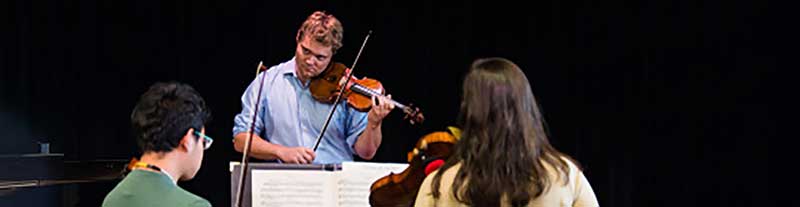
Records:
x=246, y=151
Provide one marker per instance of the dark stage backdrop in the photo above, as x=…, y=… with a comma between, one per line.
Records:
x=664, y=103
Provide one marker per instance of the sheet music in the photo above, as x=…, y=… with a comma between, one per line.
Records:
x=357, y=177
x=300, y=188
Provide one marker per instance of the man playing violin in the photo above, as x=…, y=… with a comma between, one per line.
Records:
x=289, y=119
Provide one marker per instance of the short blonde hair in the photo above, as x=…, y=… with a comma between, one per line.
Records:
x=324, y=28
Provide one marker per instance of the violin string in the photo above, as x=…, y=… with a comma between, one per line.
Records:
x=367, y=91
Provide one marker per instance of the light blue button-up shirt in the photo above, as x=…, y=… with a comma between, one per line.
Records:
x=288, y=115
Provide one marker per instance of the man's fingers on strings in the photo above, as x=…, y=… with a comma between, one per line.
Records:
x=388, y=105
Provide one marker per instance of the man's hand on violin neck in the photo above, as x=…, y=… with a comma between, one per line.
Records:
x=296, y=155
x=380, y=108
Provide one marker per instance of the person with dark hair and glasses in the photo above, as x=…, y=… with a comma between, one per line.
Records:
x=503, y=157
x=168, y=123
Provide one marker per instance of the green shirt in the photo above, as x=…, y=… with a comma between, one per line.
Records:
x=147, y=188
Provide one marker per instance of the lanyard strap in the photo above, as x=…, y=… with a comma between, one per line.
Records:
x=153, y=167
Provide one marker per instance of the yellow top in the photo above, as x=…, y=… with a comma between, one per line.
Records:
x=577, y=193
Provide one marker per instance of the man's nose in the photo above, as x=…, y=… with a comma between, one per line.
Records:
x=310, y=61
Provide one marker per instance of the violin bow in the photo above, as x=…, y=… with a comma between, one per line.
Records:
x=246, y=154
x=341, y=89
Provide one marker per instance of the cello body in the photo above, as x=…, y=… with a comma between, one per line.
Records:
x=401, y=189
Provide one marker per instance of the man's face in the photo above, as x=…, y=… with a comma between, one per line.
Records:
x=196, y=154
x=312, y=57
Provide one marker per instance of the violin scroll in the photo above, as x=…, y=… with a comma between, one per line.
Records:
x=413, y=114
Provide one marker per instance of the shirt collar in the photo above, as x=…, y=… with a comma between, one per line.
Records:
x=290, y=68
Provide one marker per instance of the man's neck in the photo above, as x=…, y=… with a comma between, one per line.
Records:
x=300, y=76
x=163, y=161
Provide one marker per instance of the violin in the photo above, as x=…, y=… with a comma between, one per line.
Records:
x=428, y=155
x=358, y=93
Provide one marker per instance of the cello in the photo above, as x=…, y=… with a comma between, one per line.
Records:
x=429, y=154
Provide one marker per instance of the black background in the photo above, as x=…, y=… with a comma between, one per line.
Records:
x=664, y=103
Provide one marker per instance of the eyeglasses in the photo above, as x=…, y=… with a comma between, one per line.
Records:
x=206, y=140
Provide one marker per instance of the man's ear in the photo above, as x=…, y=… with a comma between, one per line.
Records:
x=186, y=141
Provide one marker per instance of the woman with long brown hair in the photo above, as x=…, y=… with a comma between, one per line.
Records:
x=503, y=157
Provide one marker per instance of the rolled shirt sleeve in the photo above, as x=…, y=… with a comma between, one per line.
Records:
x=355, y=126
x=243, y=120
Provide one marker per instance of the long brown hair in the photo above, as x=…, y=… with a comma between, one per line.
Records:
x=504, y=143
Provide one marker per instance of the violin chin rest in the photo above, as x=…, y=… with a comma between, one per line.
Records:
x=433, y=165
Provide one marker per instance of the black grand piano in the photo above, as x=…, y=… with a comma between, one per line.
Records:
x=47, y=179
